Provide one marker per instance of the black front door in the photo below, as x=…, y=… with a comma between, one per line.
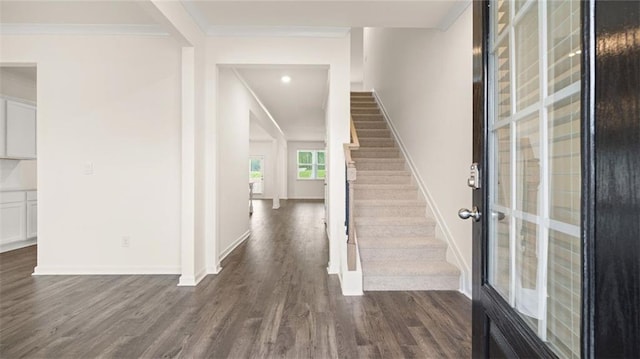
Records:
x=557, y=143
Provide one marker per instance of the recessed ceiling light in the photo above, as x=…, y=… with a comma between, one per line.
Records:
x=285, y=79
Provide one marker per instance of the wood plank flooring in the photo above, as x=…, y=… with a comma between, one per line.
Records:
x=273, y=298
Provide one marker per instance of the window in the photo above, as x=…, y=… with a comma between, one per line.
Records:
x=256, y=173
x=534, y=240
x=311, y=164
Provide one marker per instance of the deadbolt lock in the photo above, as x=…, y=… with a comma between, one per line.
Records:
x=474, y=176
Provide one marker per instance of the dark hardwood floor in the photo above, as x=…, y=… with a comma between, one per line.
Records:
x=273, y=298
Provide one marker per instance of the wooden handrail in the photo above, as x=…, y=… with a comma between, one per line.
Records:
x=351, y=177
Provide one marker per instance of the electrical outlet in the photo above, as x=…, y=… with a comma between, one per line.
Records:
x=126, y=241
x=88, y=168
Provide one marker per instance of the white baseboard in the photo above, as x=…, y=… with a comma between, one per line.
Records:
x=465, y=269
x=187, y=281
x=351, y=283
x=214, y=270
x=17, y=245
x=105, y=270
x=233, y=246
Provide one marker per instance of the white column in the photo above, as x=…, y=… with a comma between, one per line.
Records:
x=187, y=221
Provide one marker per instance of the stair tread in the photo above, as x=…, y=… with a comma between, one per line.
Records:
x=381, y=160
x=389, y=203
x=393, y=221
x=384, y=186
x=378, y=149
x=400, y=242
x=409, y=268
x=383, y=173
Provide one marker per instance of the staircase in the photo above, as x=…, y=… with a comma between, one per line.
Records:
x=397, y=243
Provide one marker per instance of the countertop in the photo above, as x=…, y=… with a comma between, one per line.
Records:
x=17, y=189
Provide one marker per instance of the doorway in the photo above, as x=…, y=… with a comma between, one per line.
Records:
x=256, y=174
x=542, y=288
x=18, y=157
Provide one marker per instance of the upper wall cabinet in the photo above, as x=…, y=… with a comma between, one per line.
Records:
x=17, y=130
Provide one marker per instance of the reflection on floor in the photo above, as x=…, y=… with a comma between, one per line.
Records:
x=272, y=298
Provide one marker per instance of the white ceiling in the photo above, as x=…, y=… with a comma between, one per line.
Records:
x=297, y=107
x=73, y=12
x=214, y=15
x=239, y=17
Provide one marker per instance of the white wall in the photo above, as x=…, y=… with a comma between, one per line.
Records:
x=334, y=52
x=16, y=174
x=423, y=78
x=357, y=58
x=267, y=149
x=233, y=154
x=113, y=101
x=303, y=189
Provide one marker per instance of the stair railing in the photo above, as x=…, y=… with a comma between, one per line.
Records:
x=350, y=168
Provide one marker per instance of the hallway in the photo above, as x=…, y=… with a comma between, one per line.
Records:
x=273, y=298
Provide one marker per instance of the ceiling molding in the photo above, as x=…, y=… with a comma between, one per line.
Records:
x=82, y=29
x=196, y=15
x=257, y=99
x=278, y=31
x=454, y=13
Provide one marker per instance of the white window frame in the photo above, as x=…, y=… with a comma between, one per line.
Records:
x=314, y=165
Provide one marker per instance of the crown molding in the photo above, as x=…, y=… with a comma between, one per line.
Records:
x=82, y=29
x=278, y=31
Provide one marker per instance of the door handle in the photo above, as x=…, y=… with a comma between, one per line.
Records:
x=473, y=213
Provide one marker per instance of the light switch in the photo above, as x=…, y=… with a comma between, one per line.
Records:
x=88, y=168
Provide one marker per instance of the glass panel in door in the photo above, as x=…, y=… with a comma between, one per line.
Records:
x=535, y=181
x=256, y=174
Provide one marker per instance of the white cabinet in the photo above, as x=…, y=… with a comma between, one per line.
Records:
x=18, y=123
x=18, y=216
x=13, y=217
x=3, y=128
x=32, y=214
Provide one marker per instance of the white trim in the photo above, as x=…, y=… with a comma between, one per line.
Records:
x=17, y=245
x=277, y=31
x=233, y=246
x=214, y=270
x=195, y=14
x=456, y=10
x=351, y=282
x=314, y=198
x=255, y=97
x=186, y=281
x=106, y=270
x=465, y=269
x=82, y=29
x=189, y=281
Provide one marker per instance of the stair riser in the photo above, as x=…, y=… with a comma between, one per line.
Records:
x=390, y=211
x=367, y=117
x=380, y=166
x=368, y=142
x=410, y=282
x=383, y=180
x=385, y=194
x=366, y=125
x=363, y=104
x=395, y=231
x=375, y=154
x=365, y=111
x=402, y=254
x=362, y=133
